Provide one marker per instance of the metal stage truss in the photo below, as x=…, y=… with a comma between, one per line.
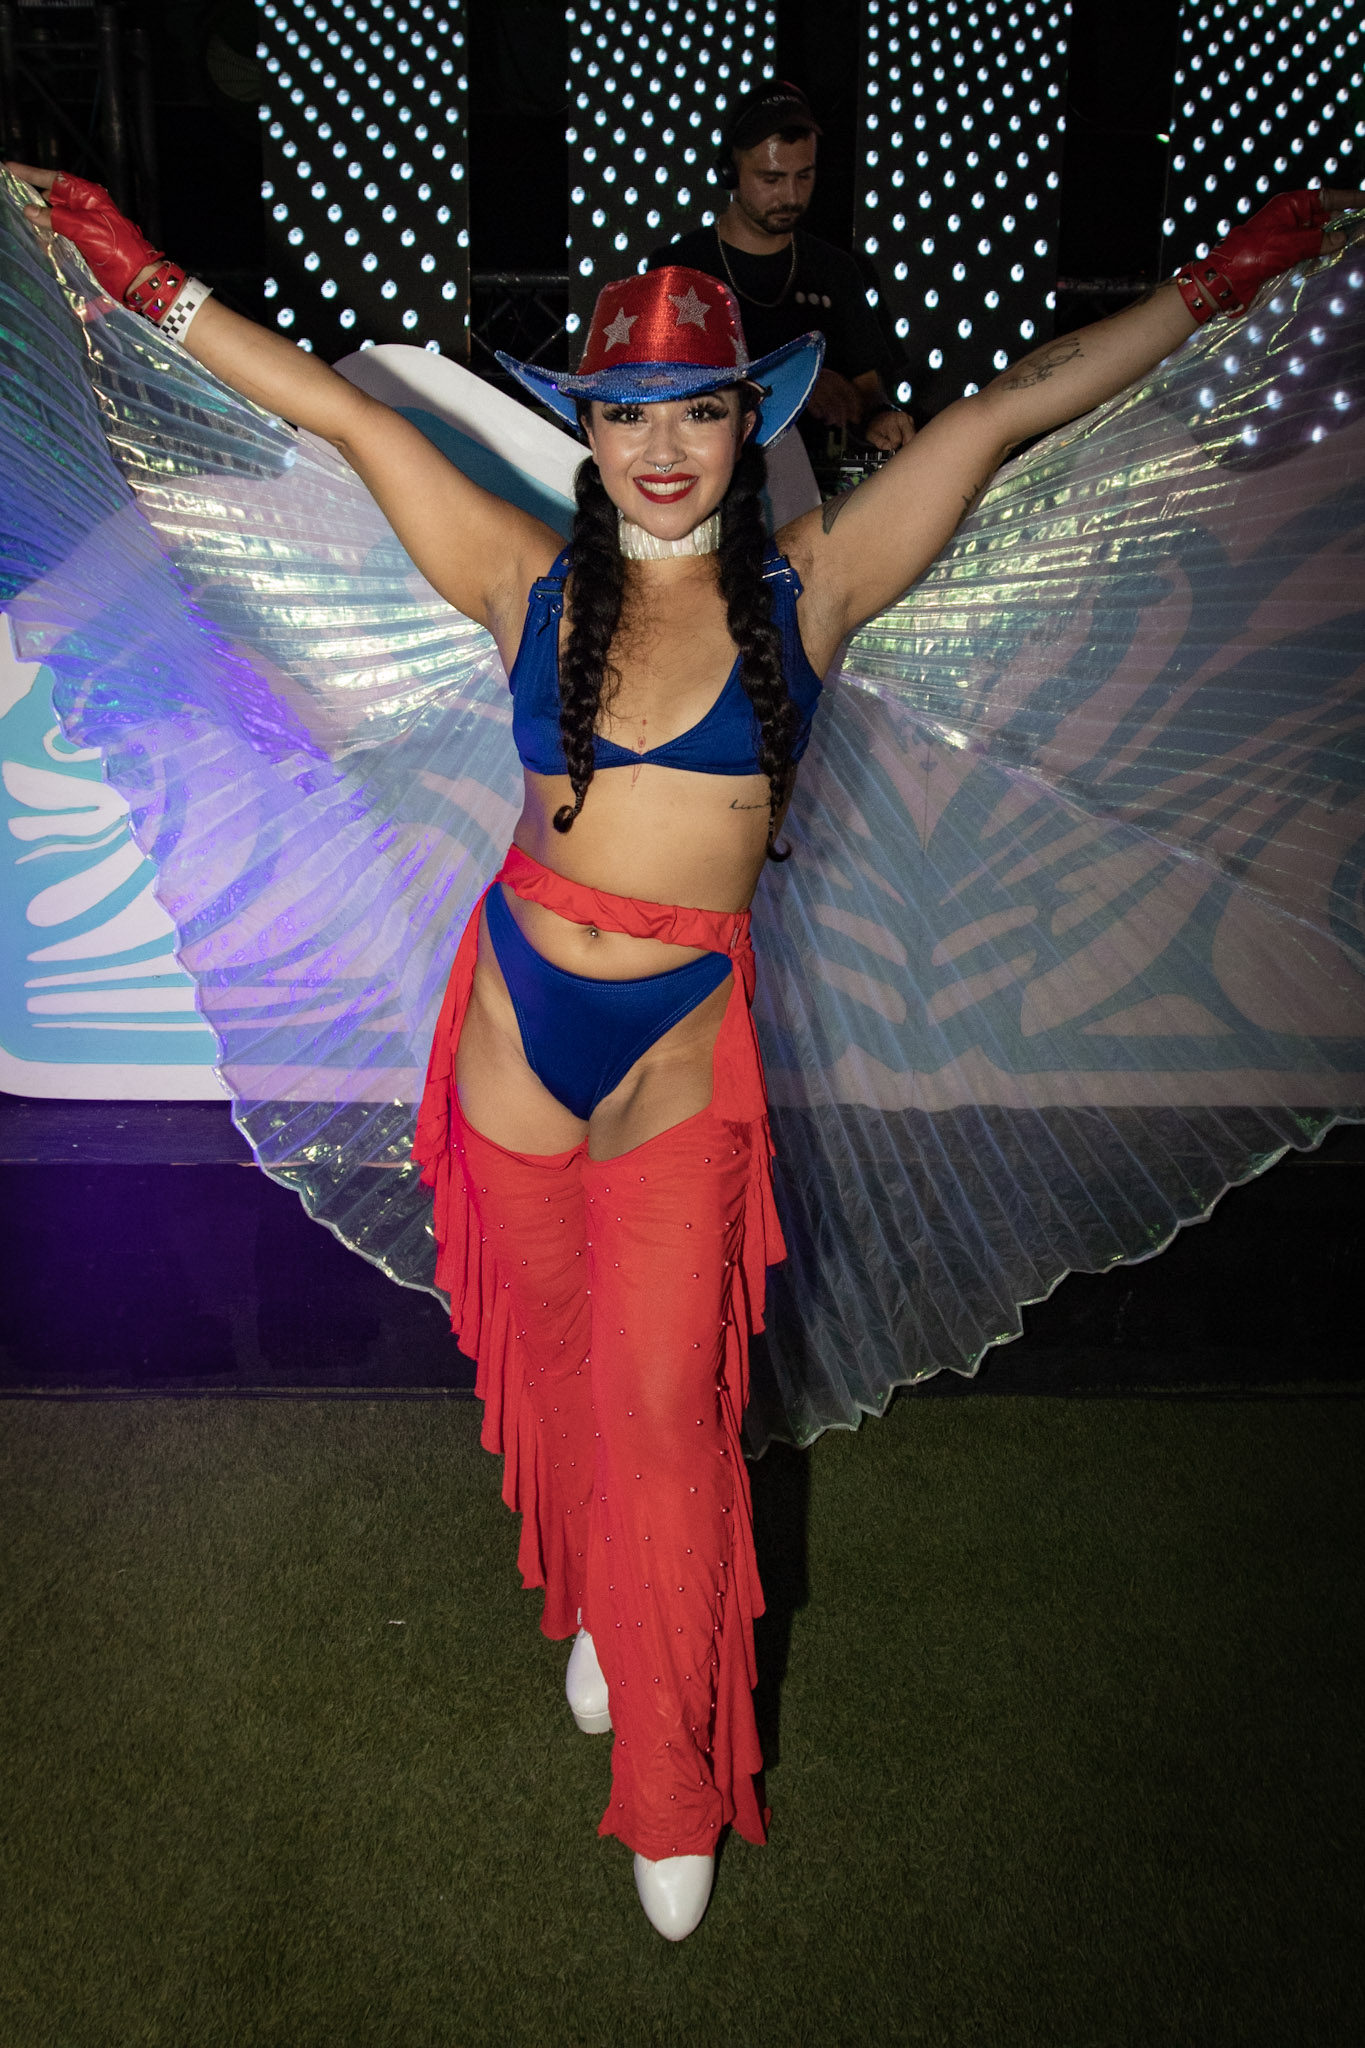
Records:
x=76, y=89
x=522, y=312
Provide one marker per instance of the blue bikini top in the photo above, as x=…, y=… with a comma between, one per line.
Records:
x=724, y=742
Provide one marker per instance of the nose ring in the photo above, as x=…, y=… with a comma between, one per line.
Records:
x=664, y=467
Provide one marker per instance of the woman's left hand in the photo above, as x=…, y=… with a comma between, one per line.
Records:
x=859, y=552
x=1291, y=228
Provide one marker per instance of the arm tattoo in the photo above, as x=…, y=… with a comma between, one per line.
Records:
x=970, y=497
x=1036, y=369
x=834, y=506
x=736, y=805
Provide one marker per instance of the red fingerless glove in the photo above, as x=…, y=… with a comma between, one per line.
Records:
x=1287, y=231
x=115, y=250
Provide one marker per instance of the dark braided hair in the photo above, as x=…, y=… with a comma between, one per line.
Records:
x=585, y=666
x=749, y=617
x=586, y=670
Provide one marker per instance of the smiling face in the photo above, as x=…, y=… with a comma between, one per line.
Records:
x=668, y=465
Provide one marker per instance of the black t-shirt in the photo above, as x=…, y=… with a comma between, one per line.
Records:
x=825, y=291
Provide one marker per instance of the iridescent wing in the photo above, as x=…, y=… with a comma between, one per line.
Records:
x=1072, y=939
x=316, y=747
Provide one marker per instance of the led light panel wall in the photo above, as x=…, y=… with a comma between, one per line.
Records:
x=957, y=198
x=365, y=129
x=1267, y=98
x=650, y=83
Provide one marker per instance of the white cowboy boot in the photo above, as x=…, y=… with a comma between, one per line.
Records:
x=586, y=1689
x=674, y=1892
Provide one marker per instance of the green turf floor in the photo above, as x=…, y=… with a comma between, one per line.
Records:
x=1063, y=1752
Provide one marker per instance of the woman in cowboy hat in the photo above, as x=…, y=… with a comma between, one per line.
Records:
x=594, y=1124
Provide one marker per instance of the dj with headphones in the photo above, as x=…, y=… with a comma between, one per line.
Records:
x=791, y=282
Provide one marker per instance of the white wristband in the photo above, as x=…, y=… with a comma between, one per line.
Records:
x=188, y=300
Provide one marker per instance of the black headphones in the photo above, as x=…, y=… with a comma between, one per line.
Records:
x=725, y=168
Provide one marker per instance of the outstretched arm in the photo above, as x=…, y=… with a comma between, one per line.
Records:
x=479, y=552
x=859, y=553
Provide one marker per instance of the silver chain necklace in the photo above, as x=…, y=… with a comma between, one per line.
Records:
x=766, y=304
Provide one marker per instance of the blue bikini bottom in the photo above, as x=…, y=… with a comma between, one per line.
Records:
x=581, y=1036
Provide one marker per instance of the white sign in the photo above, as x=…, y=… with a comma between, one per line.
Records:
x=93, y=1003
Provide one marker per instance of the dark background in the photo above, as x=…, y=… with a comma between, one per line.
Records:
x=203, y=195
x=182, y=1269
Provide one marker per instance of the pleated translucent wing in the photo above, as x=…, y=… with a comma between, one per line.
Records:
x=1071, y=940
x=317, y=748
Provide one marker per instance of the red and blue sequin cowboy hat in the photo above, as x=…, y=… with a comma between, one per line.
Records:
x=672, y=334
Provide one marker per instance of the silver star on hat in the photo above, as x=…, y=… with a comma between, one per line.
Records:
x=692, y=311
x=618, y=334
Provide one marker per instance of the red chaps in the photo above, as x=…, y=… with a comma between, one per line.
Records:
x=609, y=1306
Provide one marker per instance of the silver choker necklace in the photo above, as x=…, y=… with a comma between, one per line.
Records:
x=638, y=546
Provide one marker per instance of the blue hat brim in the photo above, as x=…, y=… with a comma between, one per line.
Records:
x=788, y=375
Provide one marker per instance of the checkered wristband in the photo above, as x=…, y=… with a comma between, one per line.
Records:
x=186, y=304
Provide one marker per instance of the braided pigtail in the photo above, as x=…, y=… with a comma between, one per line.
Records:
x=599, y=582
x=749, y=616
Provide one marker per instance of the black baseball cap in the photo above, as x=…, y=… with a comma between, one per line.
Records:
x=778, y=104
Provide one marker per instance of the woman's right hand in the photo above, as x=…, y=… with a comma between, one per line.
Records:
x=263, y=366
x=478, y=551
x=115, y=248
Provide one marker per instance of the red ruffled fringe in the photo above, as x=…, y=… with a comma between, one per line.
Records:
x=483, y=1322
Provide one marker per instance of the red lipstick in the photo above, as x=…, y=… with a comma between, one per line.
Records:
x=664, y=490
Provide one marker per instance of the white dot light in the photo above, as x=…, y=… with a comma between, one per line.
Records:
x=360, y=148
x=1267, y=75
x=976, y=121
x=640, y=175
